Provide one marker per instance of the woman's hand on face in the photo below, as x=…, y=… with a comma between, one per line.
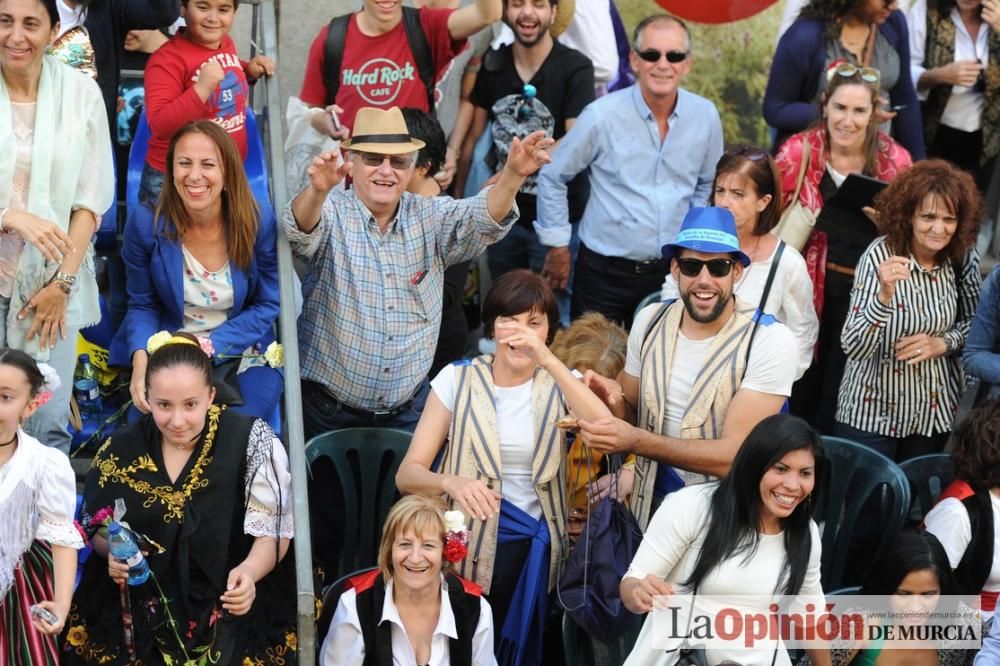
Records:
x=118, y=570
x=920, y=347
x=991, y=14
x=240, y=591
x=523, y=339
x=601, y=488
x=51, y=241
x=474, y=497
x=637, y=593
x=49, y=322
x=890, y=272
x=137, y=385
x=51, y=629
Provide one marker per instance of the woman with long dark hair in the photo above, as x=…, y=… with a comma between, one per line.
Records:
x=749, y=534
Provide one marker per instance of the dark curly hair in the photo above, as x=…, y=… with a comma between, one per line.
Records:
x=830, y=11
x=897, y=204
x=976, y=456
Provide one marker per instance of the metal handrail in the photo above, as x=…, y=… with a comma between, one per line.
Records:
x=264, y=36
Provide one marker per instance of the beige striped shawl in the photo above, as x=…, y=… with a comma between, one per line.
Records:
x=711, y=393
x=474, y=452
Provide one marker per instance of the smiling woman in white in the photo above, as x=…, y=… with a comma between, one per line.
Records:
x=410, y=607
x=749, y=534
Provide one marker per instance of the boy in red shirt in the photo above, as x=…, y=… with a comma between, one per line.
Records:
x=197, y=75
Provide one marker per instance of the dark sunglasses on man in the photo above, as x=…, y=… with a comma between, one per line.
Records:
x=652, y=55
x=395, y=161
x=690, y=267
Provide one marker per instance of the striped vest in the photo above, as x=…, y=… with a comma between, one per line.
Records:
x=940, y=51
x=718, y=381
x=474, y=452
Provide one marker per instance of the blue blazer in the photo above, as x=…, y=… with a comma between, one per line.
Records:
x=800, y=60
x=154, y=266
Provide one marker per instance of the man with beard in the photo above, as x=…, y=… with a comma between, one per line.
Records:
x=650, y=151
x=700, y=373
x=563, y=80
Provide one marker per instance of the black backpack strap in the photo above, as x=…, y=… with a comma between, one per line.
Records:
x=377, y=637
x=763, y=301
x=333, y=53
x=466, y=609
x=421, y=52
x=974, y=568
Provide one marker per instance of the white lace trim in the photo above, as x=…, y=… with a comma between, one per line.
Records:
x=261, y=522
x=59, y=534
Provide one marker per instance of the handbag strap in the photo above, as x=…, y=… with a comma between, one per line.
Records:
x=763, y=300
x=802, y=170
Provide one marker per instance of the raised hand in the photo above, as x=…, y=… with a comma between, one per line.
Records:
x=521, y=338
x=890, y=273
x=529, y=154
x=210, y=76
x=326, y=171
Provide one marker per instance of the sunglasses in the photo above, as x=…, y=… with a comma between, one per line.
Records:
x=846, y=69
x=752, y=153
x=716, y=267
x=652, y=55
x=395, y=161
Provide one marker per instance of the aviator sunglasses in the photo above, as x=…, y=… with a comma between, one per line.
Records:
x=395, y=161
x=652, y=55
x=846, y=69
x=716, y=267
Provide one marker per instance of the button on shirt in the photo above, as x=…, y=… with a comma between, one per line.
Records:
x=640, y=187
x=372, y=301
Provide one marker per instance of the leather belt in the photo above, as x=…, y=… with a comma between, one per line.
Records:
x=837, y=268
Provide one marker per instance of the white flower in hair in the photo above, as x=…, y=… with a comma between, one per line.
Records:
x=454, y=521
x=52, y=381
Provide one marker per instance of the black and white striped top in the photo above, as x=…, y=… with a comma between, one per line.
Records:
x=879, y=394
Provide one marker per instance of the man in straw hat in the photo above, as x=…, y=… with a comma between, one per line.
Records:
x=377, y=255
x=651, y=151
x=690, y=410
x=563, y=82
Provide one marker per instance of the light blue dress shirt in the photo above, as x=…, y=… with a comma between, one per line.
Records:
x=640, y=187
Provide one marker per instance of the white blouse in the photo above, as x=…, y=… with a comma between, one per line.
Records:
x=37, y=501
x=345, y=644
x=790, y=300
x=11, y=244
x=268, y=463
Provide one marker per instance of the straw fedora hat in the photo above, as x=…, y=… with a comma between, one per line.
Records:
x=381, y=131
x=564, y=15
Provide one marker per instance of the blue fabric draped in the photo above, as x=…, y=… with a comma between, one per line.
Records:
x=521, y=635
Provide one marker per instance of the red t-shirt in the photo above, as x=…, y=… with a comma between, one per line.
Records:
x=171, y=100
x=379, y=71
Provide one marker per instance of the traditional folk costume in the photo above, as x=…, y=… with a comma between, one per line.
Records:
x=234, y=488
x=474, y=451
x=37, y=502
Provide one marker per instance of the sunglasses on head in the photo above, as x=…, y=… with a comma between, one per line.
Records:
x=846, y=69
x=690, y=267
x=395, y=161
x=752, y=153
x=652, y=55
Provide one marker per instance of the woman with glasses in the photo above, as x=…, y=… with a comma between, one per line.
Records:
x=748, y=184
x=914, y=297
x=955, y=62
x=846, y=140
x=866, y=33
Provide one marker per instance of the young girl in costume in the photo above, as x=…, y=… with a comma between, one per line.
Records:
x=38, y=538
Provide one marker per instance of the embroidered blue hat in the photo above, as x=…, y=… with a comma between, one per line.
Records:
x=709, y=230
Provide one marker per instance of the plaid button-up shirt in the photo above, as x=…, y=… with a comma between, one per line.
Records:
x=372, y=302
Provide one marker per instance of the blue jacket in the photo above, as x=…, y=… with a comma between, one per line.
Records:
x=981, y=356
x=154, y=267
x=799, y=61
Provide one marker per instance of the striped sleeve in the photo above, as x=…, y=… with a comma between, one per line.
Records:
x=865, y=327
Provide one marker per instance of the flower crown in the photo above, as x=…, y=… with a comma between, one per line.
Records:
x=50, y=383
x=456, y=536
x=274, y=355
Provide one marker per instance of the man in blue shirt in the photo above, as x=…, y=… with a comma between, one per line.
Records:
x=651, y=150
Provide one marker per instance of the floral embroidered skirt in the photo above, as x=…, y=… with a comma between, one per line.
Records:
x=20, y=643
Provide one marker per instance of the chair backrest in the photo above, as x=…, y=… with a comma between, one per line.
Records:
x=649, y=299
x=865, y=501
x=331, y=597
x=928, y=476
x=364, y=461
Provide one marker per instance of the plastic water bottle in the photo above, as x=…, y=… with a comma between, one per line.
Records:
x=86, y=388
x=123, y=547
x=526, y=109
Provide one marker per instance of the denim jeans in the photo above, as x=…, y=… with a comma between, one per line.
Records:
x=322, y=412
x=48, y=424
x=894, y=448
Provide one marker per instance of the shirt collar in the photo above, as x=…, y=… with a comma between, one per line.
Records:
x=369, y=218
x=646, y=112
x=446, y=619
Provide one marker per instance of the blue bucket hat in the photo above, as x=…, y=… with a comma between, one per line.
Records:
x=709, y=230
